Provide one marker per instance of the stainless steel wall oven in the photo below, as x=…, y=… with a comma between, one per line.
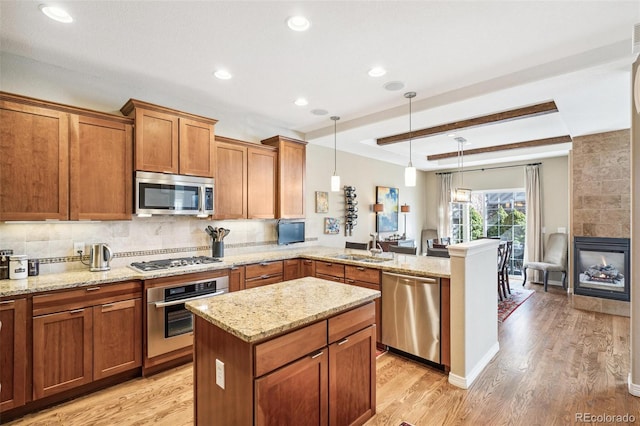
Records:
x=169, y=323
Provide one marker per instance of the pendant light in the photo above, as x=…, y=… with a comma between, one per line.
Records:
x=335, y=179
x=410, y=171
x=461, y=194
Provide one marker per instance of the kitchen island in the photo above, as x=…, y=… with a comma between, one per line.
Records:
x=285, y=354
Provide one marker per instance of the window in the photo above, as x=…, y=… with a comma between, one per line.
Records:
x=493, y=214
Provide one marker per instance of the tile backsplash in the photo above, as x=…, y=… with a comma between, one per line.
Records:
x=132, y=241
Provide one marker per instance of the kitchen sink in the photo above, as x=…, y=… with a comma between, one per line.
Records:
x=361, y=258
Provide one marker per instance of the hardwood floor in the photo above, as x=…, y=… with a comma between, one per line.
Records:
x=554, y=363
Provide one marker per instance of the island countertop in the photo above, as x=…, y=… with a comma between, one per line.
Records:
x=262, y=312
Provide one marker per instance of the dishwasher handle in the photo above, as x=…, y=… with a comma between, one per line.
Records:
x=425, y=280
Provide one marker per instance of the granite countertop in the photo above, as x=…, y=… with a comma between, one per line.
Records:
x=262, y=312
x=402, y=264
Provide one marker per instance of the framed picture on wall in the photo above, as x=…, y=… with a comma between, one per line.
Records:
x=331, y=225
x=387, y=219
x=322, y=202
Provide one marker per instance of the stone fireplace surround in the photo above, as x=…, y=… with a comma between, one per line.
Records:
x=600, y=202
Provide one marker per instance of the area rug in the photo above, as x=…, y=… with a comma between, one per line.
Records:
x=511, y=303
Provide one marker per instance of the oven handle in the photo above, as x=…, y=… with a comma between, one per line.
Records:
x=178, y=302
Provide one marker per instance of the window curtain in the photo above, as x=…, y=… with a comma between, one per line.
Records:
x=533, y=246
x=444, y=211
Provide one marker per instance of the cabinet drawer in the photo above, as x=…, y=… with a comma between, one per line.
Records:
x=289, y=347
x=349, y=322
x=360, y=273
x=330, y=278
x=328, y=268
x=85, y=296
x=267, y=279
x=263, y=268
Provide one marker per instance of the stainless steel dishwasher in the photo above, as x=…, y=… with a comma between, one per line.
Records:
x=411, y=315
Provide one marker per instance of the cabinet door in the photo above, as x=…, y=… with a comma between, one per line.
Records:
x=236, y=278
x=156, y=141
x=261, y=183
x=62, y=351
x=294, y=395
x=197, y=151
x=291, y=199
x=117, y=337
x=308, y=268
x=13, y=352
x=34, y=164
x=352, y=378
x=101, y=169
x=231, y=181
x=292, y=269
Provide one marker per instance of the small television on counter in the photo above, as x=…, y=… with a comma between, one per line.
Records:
x=290, y=232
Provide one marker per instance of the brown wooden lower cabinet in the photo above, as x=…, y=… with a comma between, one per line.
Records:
x=83, y=335
x=13, y=353
x=352, y=363
x=296, y=394
x=321, y=374
x=236, y=278
x=117, y=341
x=292, y=269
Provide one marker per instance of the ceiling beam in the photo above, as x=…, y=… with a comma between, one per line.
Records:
x=499, y=117
x=505, y=147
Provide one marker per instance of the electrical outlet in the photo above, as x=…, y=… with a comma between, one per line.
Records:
x=78, y=247
x=220, y=373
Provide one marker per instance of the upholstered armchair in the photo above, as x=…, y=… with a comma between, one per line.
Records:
x=555, y=259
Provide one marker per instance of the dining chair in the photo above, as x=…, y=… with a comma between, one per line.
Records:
x=503, y=272
x=360, y=246
x=555, y=259
x=403, y=250
x=502, y=256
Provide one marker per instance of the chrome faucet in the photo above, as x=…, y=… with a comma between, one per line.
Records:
x=376, y=248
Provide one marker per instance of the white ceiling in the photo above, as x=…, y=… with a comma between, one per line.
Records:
x=463, y=58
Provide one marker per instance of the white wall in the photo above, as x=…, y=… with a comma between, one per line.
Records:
x=365, y=174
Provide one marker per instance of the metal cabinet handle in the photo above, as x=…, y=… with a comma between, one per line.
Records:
x=317, y=355
x=77, y=311
x=107, y=306
x=342, y=342
x=360, y=268
x=93, y=289
x=349, y=280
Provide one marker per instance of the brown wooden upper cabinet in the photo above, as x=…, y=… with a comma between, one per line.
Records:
x=291, y=176
x=246, y=175
x=171, y=141
x=62, y=162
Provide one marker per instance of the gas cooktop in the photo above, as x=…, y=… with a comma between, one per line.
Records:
x=180, y=262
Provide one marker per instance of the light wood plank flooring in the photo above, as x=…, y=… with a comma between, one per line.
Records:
x=554, y=362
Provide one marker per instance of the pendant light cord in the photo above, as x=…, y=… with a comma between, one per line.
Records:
x=335, y=147
x=410, y=133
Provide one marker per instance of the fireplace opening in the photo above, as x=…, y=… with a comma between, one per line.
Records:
x=601, y=267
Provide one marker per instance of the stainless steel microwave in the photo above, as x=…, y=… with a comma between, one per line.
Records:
x=167, y=194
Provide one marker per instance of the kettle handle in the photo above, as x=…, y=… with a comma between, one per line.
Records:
x=108, y=249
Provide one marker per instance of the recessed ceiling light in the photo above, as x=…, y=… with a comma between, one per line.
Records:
x=301, y=102
x=223, y=74
x=319, y=112
x=56, y=13
x=394, y=85
x=298, y=23
x=377, y=72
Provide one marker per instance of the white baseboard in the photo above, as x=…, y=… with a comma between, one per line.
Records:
x=465, y=382
x=634, y=388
